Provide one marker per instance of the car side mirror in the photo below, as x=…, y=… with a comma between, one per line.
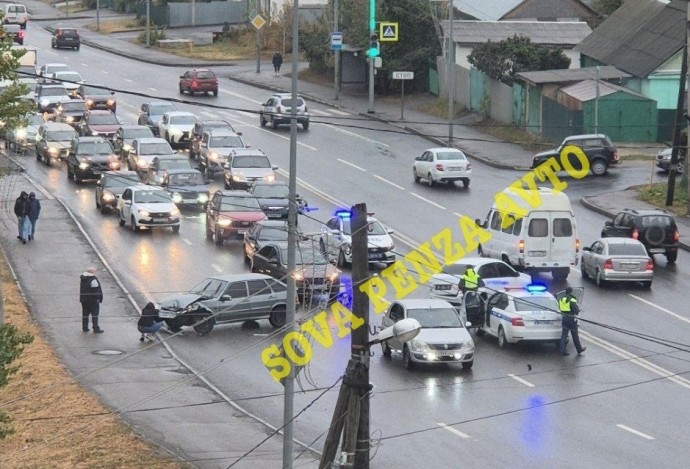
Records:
x=586, y=248
x=390, y=231
x=112, y=93
x=181, y=76
x=419, y=158
x=468, y=324
x=239, y=133
x=608, y=223
x=274, y=167
x=479, y=223
x=226, y=298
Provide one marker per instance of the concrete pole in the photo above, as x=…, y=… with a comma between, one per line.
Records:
x=148, y=23
x=451, y=72
x=596, y=104
x=289, y=382
x=336, y=71
x=372, y=32
x=193, y=12
x=98, y=15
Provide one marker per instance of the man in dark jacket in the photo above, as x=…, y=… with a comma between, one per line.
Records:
x=149, y=322
x=90, y=296
x=34, y=212
x=569, y=309
x=21, y=209
x=277, y=62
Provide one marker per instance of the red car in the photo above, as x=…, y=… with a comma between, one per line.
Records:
x=99, y=123
x=199, y=80
x=230, y=214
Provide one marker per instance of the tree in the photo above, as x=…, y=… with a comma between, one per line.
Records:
x=606, y=7
x=502, y=60
x=12, y=108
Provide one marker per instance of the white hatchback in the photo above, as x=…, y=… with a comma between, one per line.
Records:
x=442, y=165
x=147, y=207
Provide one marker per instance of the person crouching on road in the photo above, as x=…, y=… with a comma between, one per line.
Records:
x=90, y=296
x=149, y=322
x=34, y=212
x=22, y=207
x=569, y=309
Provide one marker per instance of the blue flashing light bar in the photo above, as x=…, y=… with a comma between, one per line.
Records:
x=536, y=288
x=343, y=214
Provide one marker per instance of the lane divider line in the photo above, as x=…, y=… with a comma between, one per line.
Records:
x=389, y=182
x=428, y=201
x=352, y=165
x=338, y=111
x=352, y=134
x=521, y=380
x=660, y=308
x=635, y=432
x=453, y=430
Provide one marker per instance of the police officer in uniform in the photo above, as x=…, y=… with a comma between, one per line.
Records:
x=470, y=280
x=569, y=309
x=91, y=297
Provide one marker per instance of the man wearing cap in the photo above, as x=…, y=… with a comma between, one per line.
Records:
x=90, y=296
x=569, y=309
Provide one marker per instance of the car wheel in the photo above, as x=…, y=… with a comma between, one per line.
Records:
x=414, y=176
x=599, y=167
x=407, y=359
x=217, y=238
x=466, y=183
x=104, y=210
x=135, y=228
x=262, y=121
x=468, y=365
x=480, y=332
x=52, y=45
x=215, y=92
x=204, y=324
x=386, y=349
x=502, y=341
x=647, y=284
x=480, y=251
x=599, y=279
x=429, y=180
x=305, y=125
x=181, y=90
x=120, y=220
x=671, y=256
x=176, y=229
x=274, y=124
x=209, y=233
x=76, y=177
x=583, y=272
x=69, y=173
x=38, y=154
x=342, y=262
x=278, y=317
x=560, y=274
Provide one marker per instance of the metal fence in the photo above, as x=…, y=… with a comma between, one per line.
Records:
x=177, y=15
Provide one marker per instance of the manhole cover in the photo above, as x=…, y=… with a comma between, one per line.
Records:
x=108, y=352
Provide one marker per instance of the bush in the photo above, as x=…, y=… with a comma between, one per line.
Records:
x=155, y=35
x=12, y=344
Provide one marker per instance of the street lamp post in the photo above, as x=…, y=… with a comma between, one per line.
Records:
x=148, y=23
x=451, y=72
x=98, y=15
x=336, y=68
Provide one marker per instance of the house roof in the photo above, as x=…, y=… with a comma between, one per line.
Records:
x=485, y=10
x=587, y=90
x=551, y=10
x=639, y=36
x=552, y=33
x=572, y=74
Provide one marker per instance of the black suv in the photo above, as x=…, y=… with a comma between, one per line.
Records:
x=65, y=38
x=598, y=148
x=655, y=228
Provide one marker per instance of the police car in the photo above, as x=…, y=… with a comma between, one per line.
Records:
x=336, y=240
x=528, y=314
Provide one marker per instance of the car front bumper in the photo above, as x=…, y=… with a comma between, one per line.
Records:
x=442, y=356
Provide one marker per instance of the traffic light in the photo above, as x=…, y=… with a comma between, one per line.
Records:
x=374, y=47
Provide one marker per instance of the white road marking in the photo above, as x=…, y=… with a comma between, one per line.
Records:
x=338, y=111
x=237, y=95
x=459, y=215
x=453, y=430
x=153, y=89
x=84, y=65
x=128, y=80
x=318, y=112
x=104, y=72
x=187, y=242
x=428, y=201
x=247, y=114
x=636, y=360
x=389, y=182
x=210, y=114
x=660, y=308
x=225, y=113
x=216, y=267
x=353, y=165
x=48, y=51
x=366, y=139
x=521, y=380
x=635, y=432
x=126, y=104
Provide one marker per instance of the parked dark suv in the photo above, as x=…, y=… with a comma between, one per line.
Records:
x=599, y=149
x=655, y=228
x=65, y=38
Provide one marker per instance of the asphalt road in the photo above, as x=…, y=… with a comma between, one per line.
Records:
x=615, y=406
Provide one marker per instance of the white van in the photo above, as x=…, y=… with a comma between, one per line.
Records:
x=540, y=236
x=16, y=13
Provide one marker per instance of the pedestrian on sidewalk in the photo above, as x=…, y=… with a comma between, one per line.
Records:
x=34, y=212
x=91, y=297
x=21, y=209
x=277, y=62
x=569, y=309
x=149, y=322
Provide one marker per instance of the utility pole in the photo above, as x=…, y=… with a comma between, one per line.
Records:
x=289, y=382
x=671, y=187
x=596, y=103
x=148, y=23
x=336, y=70
x=351, y=415
x=98, y=15
x=451, y=72
x=687, y=154
x=372, y=33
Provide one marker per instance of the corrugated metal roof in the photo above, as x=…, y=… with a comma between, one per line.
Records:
x=608, y=72
x=639, y=36
x=485, y=10
x=554, y=33
x=551, y=10
x=587, y=90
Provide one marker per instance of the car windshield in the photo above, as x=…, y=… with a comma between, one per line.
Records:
x=186, y=179
x=271, y=191
x=450, y=155
x=95, y=148
x=73, y=106
x=60, y=135
x=182, y=120
x=151, y=197
x=68, y=76
x=656, y=220
x=210, y=288
x=306, y=255
x=217, y=125
x=627, y=250
x=273, y=233
x=435, y=318
x=536, y=303
x=36, y=120
x=375, y=228
x=118, y=180
x=53, y=91
x=174, y=164
x=231, y=141
x=160, y=109
x=251, y=161
x=239, y=204
x=156, y=148
x=103, y=119
x=137, y=133
x=57, y=68
x=95, y=91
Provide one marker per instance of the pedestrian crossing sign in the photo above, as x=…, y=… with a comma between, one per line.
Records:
x=388, y=31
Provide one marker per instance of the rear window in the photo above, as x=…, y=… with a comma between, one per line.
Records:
x=205, y=75
x=16, y=9
x=627, y=250
x=538, y=228
x=657, y=220
x=450, y=155
x=288, y=102
x=562, y=227
x=69, y=32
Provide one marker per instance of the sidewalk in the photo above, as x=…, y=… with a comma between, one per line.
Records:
x=211, y=435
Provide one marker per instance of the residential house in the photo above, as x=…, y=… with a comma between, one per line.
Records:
x=553, y=10
x=644, y=38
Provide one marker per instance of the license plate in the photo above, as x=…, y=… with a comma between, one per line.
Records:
x=160, y=218
x=375, y=256
x=241, y=232
x=167, y=314
x=542, y=323
x=629, y=265
x=656, y=250
x=536, y=253
x=444, y=287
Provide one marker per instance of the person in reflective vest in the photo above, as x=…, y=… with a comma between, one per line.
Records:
x=470, y=280
x=569, y=309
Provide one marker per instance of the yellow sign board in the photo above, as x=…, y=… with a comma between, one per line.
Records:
x=388, y=32
x=258, y=21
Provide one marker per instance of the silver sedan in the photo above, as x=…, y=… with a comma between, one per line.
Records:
x=617, y=260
